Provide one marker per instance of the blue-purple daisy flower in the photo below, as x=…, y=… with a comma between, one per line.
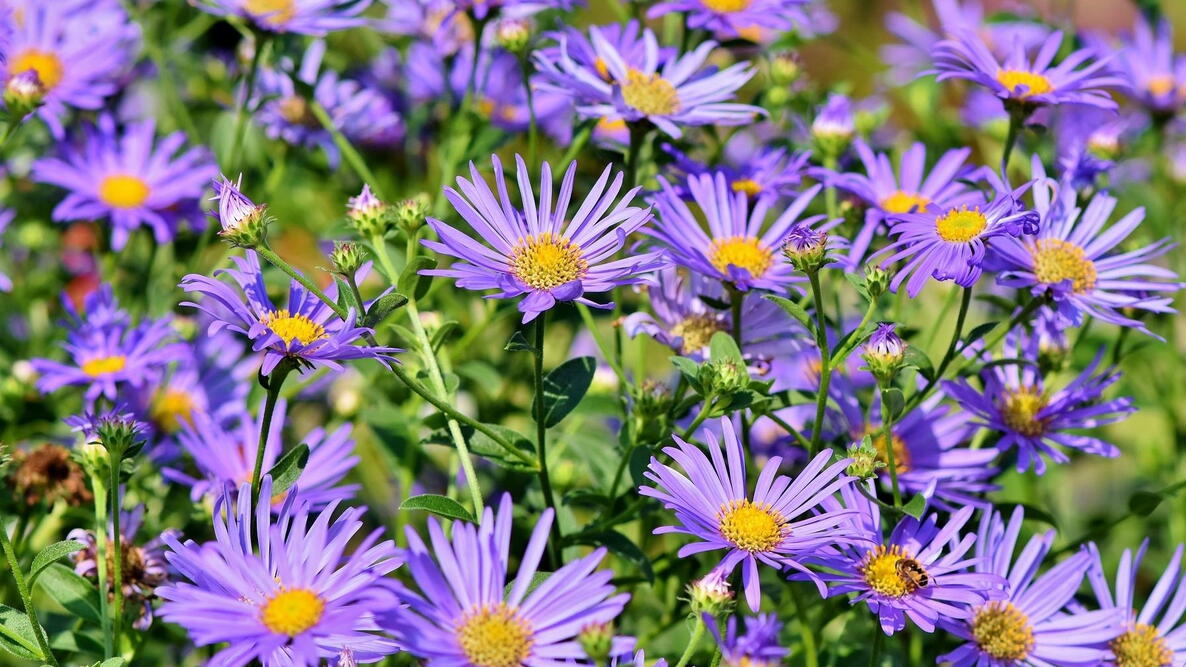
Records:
x=1153, y=73
x=542, y=250
x=757, y=646
x=1030, y=625
x=1038, y=420
x=304, y=17
x=1151, y=634
x=467, y=610
x=130, y=178
x=778, y=524
x=735, y=18
x=307, y=331
x=282, y=590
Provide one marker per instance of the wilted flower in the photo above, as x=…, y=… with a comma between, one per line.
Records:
x=47, y=473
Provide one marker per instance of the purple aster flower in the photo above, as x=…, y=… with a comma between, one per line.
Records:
x=131, y=179
x=739, y=248
x=437, y=21
x=888, y=195
x=930, y=445
x=949, y=243
x=225, y=457
x=672, y=94
x=1153, y=74
x=685, y=323
x=628, y=41
x=763, y=171
x=1031, y=624
x=920, y=572
x=305, y=17
x=757, y=647
x=1036, y=420
x=144, y=565
x=777, y=524
x=735, y=18
x=118, y=418
x=540, y=250
x=283, y=591
x=1150, y=635
x=466, y=612
x=78, y=49
x=834, y=124
x=307, y=331
x=105, y=350
x=1073, y=260
x=1088, y=141
x=1081, y=77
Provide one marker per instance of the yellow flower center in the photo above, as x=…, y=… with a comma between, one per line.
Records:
x=47, y=65
x=747, y=185
x=960, y=225
x=752, y=527
x=293, y=327
x=292, y=611
x=494, y=637
x=123, y=191
x=173, y=408
x=885, y=573
x=1141, y=647
x=904, y=202
x=273, y=12
x=1035, y=84
x=744, y=252
x=545, y=261
x=1163, y=84
x=1056, y=260
x=104, y=365
x=726, y=6
x=1020, y=411
x=295, y=110
x=697, y=331
x=650, y=93
x=1003, y=631
x=901, y=455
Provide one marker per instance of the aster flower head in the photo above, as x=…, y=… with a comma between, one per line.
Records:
x=244, y=223
x=106, y=351
x=466, y=610
x=306, y=332
x=757, y=170
x=115, y=428
x=778, y=524
x=1089, y=142
x=1153, y=74
x=1152, y=633
x=677, y=92
x=540, y=250
x=1073, y=260
x=1038, y=420
x=130, y=178
x=1031, y=624
x=950, y=244
x=756, y=647
x=736, y=18
x=1023, y=83
x=281, y=590
x=739, y=247
x=806, y=247
x=920, y=572
x=437, y=21
x=303, y=17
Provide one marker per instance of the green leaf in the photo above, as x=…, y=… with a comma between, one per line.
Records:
x=916, y=506
x=858, y=281
x=893, y=402
x=50, y=554
x=565, y=386
x=916, y=358
x=722, y=347
x=586, y=498
x=383, y=307
x=621, y=546
x=481, y=445
x=439, y=505
x=536, y=579
x=518, y=343
x=346, y=295
x=793, y=309
x=17, y=635
x=78, y=642
x=77, y=595
x=113, y=662
x=442, y=334
x=1143, y=503
x=289, y=468
x=410, y=280
x=978, y=333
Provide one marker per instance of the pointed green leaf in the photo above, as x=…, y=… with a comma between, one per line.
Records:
x=17, y=636
x=439, y=505
x=346, y=295
x=481, y=445
x=565, y=386
x=289, y=468
x=722, y=347
x=918, y=359
x=70, y=590
x=916, y=506
x=793, y=309
x=383, y=307
x=518, y=343
x=410, y=280
x=51, y=554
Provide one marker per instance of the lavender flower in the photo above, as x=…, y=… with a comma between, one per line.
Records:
x=1152, y=634
x=757, y=647
x=1153, y=74
x=735, y=18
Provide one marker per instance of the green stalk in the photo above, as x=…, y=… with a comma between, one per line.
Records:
x=878, y=641
x=261, y=43
x=960, y=318
x=887, y=422
x=693, y=642
x=825, y=372
x=117, y=554
x=705, y=408
x=99, y=486
x=353, y=157
x=638, y=133
x=842, y=353
x=156, y=54
x=806, y=630
x=275, y=381
x=1016, y=119
x=541, y=431
x=22, y=587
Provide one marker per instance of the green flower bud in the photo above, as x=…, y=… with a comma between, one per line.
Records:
x=724, y=376
x=347, y=257
x=710, y=595
x=884, y=353
x=410, y=213
x=597, y=641
x=369, y=216
x=785, y=68
x=876, y=280
x=865, y=463
x=24, y=93
x=514, y=35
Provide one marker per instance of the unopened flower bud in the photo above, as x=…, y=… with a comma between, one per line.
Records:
x=865, y=464
x=876, y=280
x=410, y=213
x=24, y=371
x=833, y=127
x=806, y=248
x=369, y=216
x=597, y=641
x=654, y=400
x=244, y=224
x=23, y=93
x=710, y=594
x=347, y=257
x=514, y=34
x=884, y=353
x=785, y=68
x=777, y=97
x=724, y=376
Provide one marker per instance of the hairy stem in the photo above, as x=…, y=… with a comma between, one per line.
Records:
x=22, y=586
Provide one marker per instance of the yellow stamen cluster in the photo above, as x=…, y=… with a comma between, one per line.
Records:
x=747, y=185
x=727, y=6
x=545, y=261
x=1020, y=410
x=1035, y=84
x=292, y=611
x=1163, y=84
x=1003, y=631
x=172, y=409
x=650, y=94
x=960, y=225
x=696, y=331
x=1141, y=647
x=744, y=252
x=904, y=202
x=494, y=637
x=273, y=12
x=882, y=574
x=47, y=64
x=295, y=109
x=1056, y=260
x=752, y=527
x=104, y=365
x=123, y=191
x=293, y=327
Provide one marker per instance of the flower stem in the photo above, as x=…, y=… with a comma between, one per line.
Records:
x=117, y=554
x=887, y=423
x=693, y=642
x=825, y=372
x=638, y=133
x=1017, y=118
x=878, y=641
x=541, y=431
x=261, y=43
x=947, y=356
x=22, y=587
x=99, y=485
x=842, y=354
x=275, y=381
x=806, y=630
x=705, y=408
x=353, y=157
